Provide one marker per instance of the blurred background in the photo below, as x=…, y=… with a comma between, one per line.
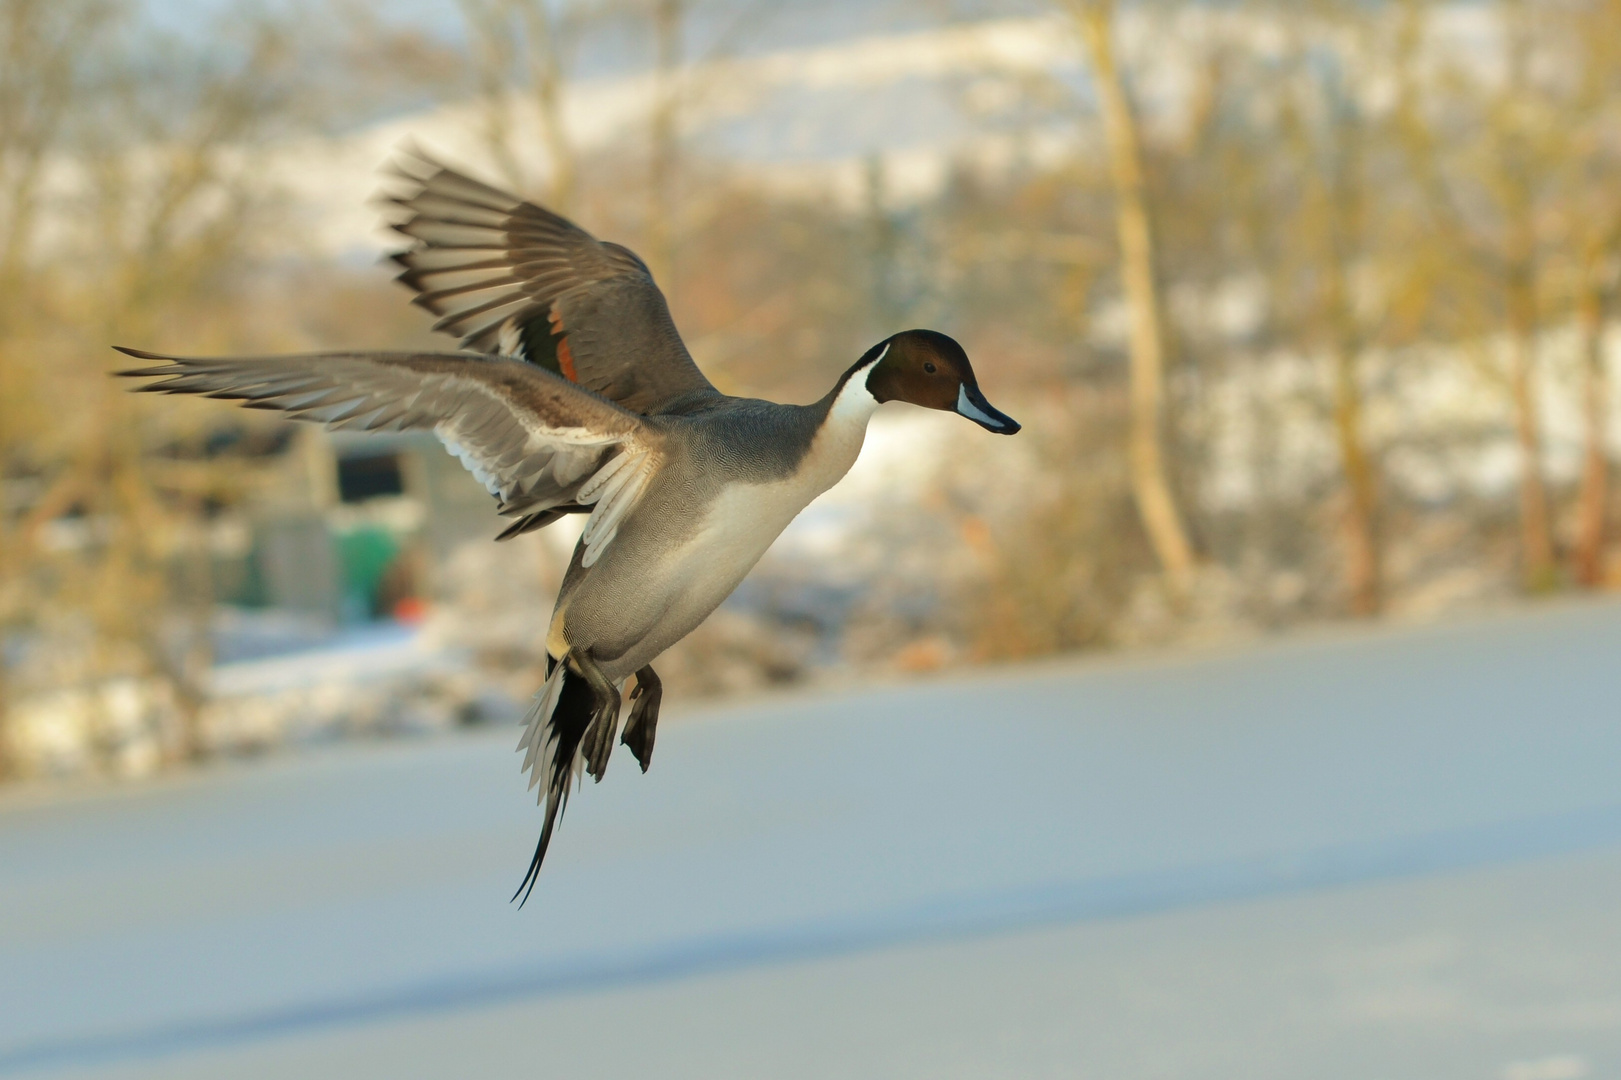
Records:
x=1307, y=308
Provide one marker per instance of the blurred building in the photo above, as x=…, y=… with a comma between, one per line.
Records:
x=323, y=570
x=350, y=528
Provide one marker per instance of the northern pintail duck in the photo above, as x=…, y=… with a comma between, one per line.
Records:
x=574, y=394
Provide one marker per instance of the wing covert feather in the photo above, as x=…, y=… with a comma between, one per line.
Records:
x=511, y=277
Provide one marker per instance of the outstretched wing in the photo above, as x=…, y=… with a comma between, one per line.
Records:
x=535, y=441
x=510, y=277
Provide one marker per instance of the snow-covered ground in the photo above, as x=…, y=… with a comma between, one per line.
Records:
x=1393, y=854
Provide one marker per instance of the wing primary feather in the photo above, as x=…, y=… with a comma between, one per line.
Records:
x=626, y=345
x=494, y=304
x=428, y=299
x=531, y=438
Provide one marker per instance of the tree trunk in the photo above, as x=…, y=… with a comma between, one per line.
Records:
x=492, y=42
x=669, y=17
x=1151, y=485
x=1364, y=576
x=1518, y=270
x=1536, y=531
x=547, y=76
x=502, y=34
x=8, y=750
x=1594, y=495
x=1341, y=228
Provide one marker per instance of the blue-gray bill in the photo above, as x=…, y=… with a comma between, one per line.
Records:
x=972, y=404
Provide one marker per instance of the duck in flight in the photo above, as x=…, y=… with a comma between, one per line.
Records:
x=574, y=394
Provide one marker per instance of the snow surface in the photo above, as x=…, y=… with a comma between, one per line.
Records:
x=1385, y=854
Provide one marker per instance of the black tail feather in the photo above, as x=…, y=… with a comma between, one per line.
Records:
x=570, y=719
x=531, y=876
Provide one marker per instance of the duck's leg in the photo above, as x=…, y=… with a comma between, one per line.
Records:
x=599, y=737
x=644, y=715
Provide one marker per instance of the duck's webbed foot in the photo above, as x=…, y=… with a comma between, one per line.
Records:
x=644, y=715
x=599, y=736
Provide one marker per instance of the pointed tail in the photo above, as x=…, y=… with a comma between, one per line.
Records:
x=553, y=731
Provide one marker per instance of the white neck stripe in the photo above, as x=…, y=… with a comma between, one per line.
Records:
x=855, y=402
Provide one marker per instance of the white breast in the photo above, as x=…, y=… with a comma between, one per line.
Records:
x=685, y=584
x=745, y=518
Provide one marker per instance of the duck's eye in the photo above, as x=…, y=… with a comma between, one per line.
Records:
x=928, y=366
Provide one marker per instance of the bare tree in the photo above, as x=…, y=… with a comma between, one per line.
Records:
x=1593, y=213
x=668, y=21
x=1328, y=133
x=155, y=196
x=1496, y=168
x=1597, y=302
x=678, y=81
x=526, y=48
x=45, y=47
x=1515, y=264
x=1156, y=502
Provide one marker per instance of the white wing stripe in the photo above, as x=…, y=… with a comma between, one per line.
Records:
x=606, y=517
x=613, y=489
x=605, y=503
x=593, y=488
x=614, y=505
